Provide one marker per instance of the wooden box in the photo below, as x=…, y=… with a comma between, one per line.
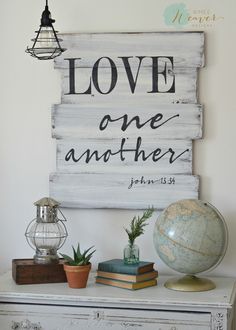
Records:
x=25, y=271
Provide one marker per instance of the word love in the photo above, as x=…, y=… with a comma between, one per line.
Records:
x=161, y=73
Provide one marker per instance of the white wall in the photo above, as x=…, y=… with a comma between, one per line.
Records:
x=29, y=87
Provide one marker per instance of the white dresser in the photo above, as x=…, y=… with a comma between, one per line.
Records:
x=57, y=307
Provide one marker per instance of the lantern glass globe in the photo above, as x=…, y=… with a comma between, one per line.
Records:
x=47, y=235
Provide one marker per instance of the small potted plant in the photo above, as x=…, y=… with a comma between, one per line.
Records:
x=77, y=268
x=131, y=251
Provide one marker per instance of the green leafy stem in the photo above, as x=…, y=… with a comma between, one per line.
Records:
x=137, y=225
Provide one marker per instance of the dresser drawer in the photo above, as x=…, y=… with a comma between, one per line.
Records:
x=40, y=317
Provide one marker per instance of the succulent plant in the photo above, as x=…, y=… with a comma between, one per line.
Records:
x=79, y=258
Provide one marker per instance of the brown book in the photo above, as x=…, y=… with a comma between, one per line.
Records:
x=127, y=277
x=125, y=284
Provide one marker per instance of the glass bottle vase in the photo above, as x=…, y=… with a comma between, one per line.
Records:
x=131, y=254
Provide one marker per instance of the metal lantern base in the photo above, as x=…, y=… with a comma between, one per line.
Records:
x=46, y=257
x=190, y=283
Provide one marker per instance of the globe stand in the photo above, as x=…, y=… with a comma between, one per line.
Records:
x=190, y=283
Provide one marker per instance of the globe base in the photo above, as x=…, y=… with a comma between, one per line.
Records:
x=190, y=283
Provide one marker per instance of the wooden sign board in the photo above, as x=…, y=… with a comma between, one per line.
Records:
x=128, y=116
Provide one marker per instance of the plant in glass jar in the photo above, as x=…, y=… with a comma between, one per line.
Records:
x=131, y=250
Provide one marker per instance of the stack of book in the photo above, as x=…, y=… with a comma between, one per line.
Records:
x=115, y=273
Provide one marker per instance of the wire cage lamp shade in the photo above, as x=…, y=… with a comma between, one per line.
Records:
x=46, y=45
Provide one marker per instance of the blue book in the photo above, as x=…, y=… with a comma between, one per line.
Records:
x=118, y=266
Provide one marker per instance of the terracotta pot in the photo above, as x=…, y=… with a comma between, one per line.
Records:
x=77, y=276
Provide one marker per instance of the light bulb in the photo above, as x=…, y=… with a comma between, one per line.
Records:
x=46, y=38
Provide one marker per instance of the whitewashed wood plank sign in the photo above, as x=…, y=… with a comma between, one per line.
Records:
x=140, y=191
x=176, y=121
x=186, y=78
x=82, y=159
x=128, y=116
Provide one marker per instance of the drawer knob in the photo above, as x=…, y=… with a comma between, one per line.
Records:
x=98, y=315
x=26, y=324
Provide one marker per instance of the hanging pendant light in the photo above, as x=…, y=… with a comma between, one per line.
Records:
x=46, y=45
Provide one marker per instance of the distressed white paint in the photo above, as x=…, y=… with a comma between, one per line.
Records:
x=82, y=120
x=120, y=180
x=187, y=47
x=186, y=85
x=103, y=307
x=74, y=318
x=112, y=190
x=182, y=165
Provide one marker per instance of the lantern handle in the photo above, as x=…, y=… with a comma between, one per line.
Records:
x=26, y=234
x=66, y=234
x=64, y=218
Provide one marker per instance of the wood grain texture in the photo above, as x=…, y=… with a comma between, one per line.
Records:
x=187, y=47
x=185, y=82
x=126, y=95
x=25, y=271
x=82, y=120
x=96, y=190
x=182, y=165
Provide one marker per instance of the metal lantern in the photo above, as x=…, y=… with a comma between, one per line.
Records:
x=46, y=45
x=46, y=234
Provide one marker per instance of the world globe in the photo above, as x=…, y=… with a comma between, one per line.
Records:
x=190, y=236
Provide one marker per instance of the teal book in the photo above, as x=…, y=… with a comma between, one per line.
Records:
x=118, y=266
